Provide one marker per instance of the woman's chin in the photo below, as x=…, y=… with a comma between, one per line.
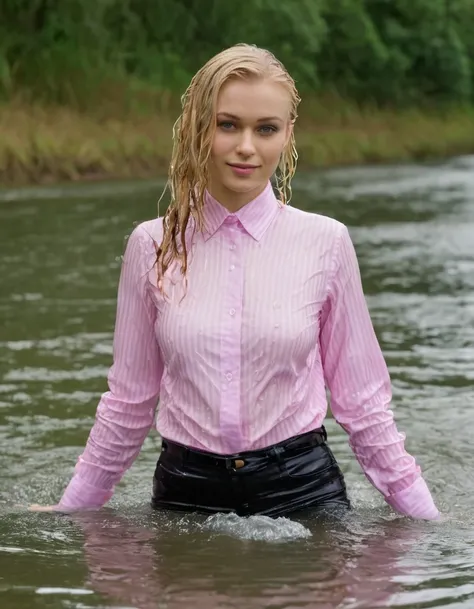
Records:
x=242, y=185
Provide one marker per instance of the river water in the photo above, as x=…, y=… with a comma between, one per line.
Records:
x=60, y=250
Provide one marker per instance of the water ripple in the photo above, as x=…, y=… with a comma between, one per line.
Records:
x=412, y=227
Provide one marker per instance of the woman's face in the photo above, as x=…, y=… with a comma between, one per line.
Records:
x=252, y=129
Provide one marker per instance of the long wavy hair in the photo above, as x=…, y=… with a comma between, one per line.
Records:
x=193, y=134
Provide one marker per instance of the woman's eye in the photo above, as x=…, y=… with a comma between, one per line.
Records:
x=268, y=129
x=226, y=125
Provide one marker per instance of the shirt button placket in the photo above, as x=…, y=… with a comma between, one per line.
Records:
x=230, y=415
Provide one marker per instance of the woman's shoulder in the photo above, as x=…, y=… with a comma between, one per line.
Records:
x=313, y=222
x=141, y=249
x=149, y=233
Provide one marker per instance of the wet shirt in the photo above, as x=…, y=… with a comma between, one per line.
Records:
x=240, y=355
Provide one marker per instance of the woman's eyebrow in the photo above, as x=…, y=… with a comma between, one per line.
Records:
x=259, y=120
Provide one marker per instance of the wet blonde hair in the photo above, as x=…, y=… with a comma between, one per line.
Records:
x=193, y=135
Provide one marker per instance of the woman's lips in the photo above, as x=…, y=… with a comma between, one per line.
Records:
x=242, y=170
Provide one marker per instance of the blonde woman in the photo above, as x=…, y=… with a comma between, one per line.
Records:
x=236, y=312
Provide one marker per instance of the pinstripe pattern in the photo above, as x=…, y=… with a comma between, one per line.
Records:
x=273, y=313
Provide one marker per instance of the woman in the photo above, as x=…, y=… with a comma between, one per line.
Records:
x=237, y=312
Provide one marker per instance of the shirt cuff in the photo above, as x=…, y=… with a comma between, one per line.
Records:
x=80, y=494
x=415, y=501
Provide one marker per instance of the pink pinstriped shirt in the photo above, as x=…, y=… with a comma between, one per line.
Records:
x=273, y=313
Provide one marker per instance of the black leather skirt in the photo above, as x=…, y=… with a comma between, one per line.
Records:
x=294, y=475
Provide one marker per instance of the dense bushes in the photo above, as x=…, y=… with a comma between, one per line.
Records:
x=387, y=51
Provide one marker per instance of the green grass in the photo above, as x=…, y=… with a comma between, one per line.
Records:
x=337, y=132
x=49, y=144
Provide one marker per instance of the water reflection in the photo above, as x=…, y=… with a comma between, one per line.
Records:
x=156, y=567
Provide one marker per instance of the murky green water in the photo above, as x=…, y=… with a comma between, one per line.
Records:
x=60, y=255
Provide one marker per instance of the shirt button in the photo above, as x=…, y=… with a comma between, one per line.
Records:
x=232, y=312
x=228, y=376
x=232, y=267
x=232, y=247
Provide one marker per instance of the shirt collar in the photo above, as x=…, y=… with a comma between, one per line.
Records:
x=255, y=217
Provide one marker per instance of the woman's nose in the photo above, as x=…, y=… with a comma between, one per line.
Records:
x=246, y=146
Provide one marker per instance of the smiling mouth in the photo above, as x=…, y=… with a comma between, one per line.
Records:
x=242, y=166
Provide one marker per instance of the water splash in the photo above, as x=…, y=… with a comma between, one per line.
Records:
x=257, y=528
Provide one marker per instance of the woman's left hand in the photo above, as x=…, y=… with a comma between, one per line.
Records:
x=42, y=508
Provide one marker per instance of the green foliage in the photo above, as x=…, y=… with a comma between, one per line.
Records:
x=78, y=52
x=353, y=56
x=427, y=58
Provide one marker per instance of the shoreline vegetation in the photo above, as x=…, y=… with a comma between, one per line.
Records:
x=47, y=143
x=89, y=90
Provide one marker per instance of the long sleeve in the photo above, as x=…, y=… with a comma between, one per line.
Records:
x=125, y=413
x=358, y=380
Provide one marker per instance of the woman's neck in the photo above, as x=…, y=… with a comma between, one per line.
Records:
x=232, y=200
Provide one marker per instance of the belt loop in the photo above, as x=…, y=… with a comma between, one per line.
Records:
x=277, y=452
x=324, y=432
x=185, y=456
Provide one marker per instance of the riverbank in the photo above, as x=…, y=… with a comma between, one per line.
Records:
x=55, y=144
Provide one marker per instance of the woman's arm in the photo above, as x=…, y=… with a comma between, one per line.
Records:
x=358, y=380
x=125, y=413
